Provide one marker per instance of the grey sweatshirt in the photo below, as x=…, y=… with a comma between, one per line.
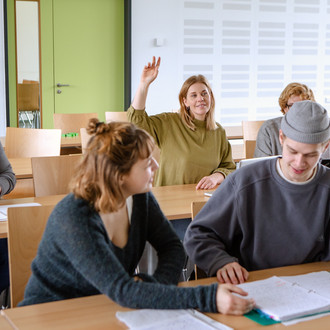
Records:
x=260, y=220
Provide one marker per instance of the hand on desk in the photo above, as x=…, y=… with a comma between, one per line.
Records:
x=227, y=303
x=211, y=181
x=232, y=273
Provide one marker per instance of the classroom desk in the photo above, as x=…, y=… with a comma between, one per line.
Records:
x=175, y=202
x=98, y=312
x=4, y=323
x=71, y=145
x=22, y=167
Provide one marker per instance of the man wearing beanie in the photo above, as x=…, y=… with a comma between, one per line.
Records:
x=272, y=213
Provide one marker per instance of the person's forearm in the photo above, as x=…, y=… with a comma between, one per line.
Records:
x=139, y=101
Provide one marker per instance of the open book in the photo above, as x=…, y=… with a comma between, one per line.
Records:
x=291, y=297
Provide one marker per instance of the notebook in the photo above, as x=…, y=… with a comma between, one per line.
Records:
x=290, y=297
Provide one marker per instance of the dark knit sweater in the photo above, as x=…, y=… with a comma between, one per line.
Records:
x=76, y=258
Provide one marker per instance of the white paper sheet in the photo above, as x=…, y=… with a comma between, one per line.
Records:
x=150, y=319
x=316, y=281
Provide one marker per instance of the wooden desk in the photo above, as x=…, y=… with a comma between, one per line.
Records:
x=22, y=167
x=98, y=312
x=4, y=323
x=71, y=145
x=175, y=201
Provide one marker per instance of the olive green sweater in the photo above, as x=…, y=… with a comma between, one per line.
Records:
x=186, y=156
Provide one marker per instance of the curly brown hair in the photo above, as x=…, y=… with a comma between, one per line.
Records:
x=111, y=152
x=294, y=88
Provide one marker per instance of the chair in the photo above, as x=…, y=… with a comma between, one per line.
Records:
x=115, y=116
x=195, y=208
x=51, y=175
x=31, y=142
x=72, y=122
x=249, y=147
x=84, y=137
x=234, y=132
x=250, y=133
x=26, y=226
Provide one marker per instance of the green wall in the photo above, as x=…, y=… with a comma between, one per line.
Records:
x=47, y=59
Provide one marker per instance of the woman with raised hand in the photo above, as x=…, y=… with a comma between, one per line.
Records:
x=194, y=148
x=95, y=236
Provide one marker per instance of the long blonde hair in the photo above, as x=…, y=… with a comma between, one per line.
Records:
x=184, y=112
x=111, y=152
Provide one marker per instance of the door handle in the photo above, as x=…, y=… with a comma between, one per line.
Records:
x=62, y=85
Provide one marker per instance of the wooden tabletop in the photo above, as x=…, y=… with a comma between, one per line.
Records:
x=74, y=141
x=4, y=323
x=22, y=167
x=98, y=312
x=175, y=202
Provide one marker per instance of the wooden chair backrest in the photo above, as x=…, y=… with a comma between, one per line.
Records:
x=250, y=133
x=115, y=116
x=84, y=138
x=249, y=147
x=26, y=226
x=251, y=128
x=195, y=208
x=51, y=175
x=234, y=132
x=32, y=142
x=72, y=122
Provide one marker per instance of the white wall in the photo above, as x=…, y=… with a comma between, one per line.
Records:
x=248, y=49
x=2, y=76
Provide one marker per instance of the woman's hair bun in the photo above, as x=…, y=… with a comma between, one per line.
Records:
x=96, y=127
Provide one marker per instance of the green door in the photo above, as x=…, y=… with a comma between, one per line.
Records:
x=86, y=58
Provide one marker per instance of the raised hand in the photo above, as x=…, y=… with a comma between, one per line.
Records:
x=150, y=71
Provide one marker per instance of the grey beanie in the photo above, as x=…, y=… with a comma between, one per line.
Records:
x=306, y=122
